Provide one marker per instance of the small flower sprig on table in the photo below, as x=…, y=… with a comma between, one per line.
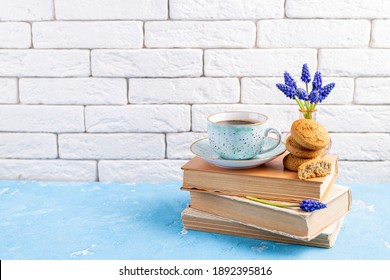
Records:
x=305, y=205
x=307, y=101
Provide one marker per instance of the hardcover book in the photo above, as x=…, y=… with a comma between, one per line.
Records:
x=268, y=181
x=291, y=222
x=198, y=220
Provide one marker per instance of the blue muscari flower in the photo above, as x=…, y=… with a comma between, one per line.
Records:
x=317, y=81
x=301, y=93
x=287, y=90
x=311, y=205
x=289, y=81
x=305, y=77
x=324, y=92
x=314, y=96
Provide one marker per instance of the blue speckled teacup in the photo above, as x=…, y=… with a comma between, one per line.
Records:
x=239, y=135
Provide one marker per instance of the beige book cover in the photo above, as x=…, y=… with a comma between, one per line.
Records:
x=291, y=222
x=268, y=181
x=198, y=220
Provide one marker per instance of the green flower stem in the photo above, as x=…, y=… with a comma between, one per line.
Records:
x=271, y=203
x=299, y=103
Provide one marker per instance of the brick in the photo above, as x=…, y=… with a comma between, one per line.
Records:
x=228, y=9
x=147, y=63
x=317, y=33
x=200, y=34
x=380, y=32
x=363, y=171
x=15, y=35
x=85, y=91
x=28, y=145
x=31, y=118
x=92, y=35
x=372, y=91
x=337, y=9
x=111, y=9
x=138, y=118
x=280, y=117
x=184, y=90
x=49, y=170
x=354, y=62
x=111, y=146
x=366, y=146
x=258, y=62
x=57, y=63
x=178, y=144
x=264, y=91
x=27, y=10
x=354, y=118
x=141, y=171
x=8, y=91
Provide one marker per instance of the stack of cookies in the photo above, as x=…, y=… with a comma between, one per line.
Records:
x=306, y=146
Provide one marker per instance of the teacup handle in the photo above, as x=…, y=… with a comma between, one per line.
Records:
x=279, y=138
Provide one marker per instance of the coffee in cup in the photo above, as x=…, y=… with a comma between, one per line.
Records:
x=240, y=135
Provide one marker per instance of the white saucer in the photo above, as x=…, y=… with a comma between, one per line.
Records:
x=202, y=149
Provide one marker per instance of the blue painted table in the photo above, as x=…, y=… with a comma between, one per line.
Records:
x=42, y=220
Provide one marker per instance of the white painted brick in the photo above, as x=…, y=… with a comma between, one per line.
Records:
x=15, y=35
x=52, y=63
x=111, y=146
x=31, y=118
x=93, y=35
x=200, y=34
x=366, y=146
x=258, y=62
x=84, y=91
x=317, y=33
x=264, y=91
x=227, y=9
x=372, y=91
x=111, y=9
x=138, y=118
x=8, y=91
x=279, y=116
x=178, y=144
x=338, y=9
x=363, y=171
x=380, y=34
x=147, y=63
x=354, y=118
x=26, y=10
x=28, y=145
x=184, y=90
x=141, y=171
x=49, y=170
x=354, y=62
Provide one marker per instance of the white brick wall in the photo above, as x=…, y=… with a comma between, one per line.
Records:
x=80, y=91
x=87, y=35
x=15, y=35
x=200, y=34
x=117, y=90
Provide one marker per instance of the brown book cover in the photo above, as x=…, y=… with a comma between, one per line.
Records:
x=268, y=181
x=291, y=222
x=198, y=220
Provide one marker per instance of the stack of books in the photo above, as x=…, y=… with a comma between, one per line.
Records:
x=219, y=203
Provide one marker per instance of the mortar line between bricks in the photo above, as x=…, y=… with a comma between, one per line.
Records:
x=58, y=145
x=166, y=145
x=371, y=30
x=284, y=9
x=169, y=9
x=97, y=170
x=54, y=10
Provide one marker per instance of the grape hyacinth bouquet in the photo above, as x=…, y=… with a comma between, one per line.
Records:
x=306, y=205
x=307, y=101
